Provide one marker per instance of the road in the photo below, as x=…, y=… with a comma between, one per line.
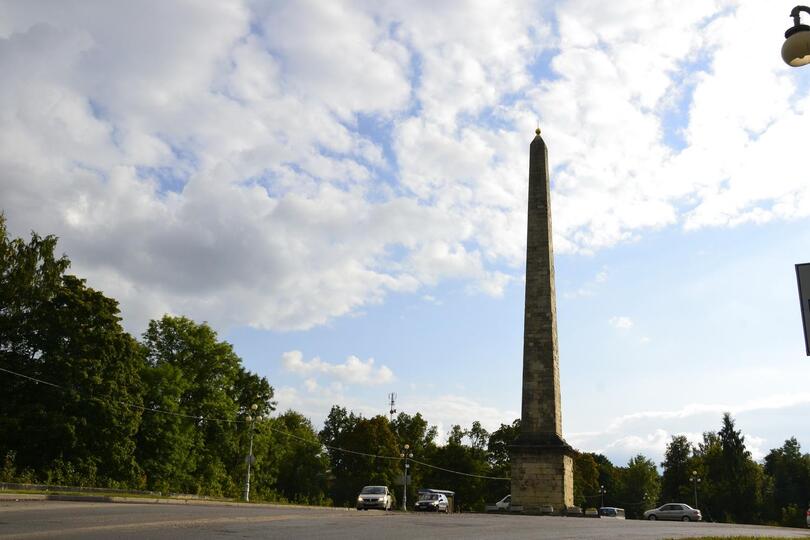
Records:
x=88, y=520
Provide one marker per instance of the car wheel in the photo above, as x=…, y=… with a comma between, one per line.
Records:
x=686, y=518
x=652, y=517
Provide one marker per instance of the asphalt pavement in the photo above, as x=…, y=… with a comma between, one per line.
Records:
x=96, y=520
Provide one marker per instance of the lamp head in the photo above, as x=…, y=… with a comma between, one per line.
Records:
x=796, y=48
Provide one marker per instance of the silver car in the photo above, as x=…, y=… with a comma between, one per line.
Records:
x=674, y=512
x=375, y=497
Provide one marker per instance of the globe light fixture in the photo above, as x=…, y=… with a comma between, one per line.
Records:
x=796, y=48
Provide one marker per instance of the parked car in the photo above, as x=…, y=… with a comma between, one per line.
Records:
x=674, y=512
x=432, y=502
x=375, y=497
x=505, y=503
x=611, y=512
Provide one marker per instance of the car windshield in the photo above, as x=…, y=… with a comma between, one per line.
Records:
x=428, y=497
x=373, y=490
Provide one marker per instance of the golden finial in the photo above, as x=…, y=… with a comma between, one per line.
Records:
x=537, y=131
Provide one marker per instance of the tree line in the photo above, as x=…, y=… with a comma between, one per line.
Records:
x=84, y=403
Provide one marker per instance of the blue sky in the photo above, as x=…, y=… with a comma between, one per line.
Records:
x=340, y=190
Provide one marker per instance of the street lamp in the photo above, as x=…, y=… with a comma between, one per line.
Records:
x=405, y=454
x=602, y=492
x=796, y=48
x=250, y=459
x=695, y=482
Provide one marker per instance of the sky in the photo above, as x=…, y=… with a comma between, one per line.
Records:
x=339, y=189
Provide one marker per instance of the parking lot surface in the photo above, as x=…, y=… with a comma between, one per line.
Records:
x=53, y=519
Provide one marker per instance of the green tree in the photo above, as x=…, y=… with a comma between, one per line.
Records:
x=609, y=478
x=499, y=459
x=53, y=327
x=640, y=483
x=470, y=460
x=368, y=453
x=207, y=390
x=788, y=472
x=586, y=480
x=420, y=437
x=675, y=481
x=742, y=477
x=293, y=463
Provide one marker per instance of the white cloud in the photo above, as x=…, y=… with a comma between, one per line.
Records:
x=352, y=371
x=621, y=322
x=302, y=162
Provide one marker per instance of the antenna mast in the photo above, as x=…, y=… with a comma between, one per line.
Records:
x=392, y=398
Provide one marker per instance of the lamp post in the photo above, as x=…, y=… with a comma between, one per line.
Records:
x=796, y=48
x=602, y=492
x=250, y=459
x=405, y=454
x=695, y=482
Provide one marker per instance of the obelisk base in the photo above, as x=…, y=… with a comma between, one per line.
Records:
x=542, y=478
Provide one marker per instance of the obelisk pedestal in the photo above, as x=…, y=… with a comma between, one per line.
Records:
x=542, y=462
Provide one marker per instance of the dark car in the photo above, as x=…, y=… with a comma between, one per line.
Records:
x=674, y=512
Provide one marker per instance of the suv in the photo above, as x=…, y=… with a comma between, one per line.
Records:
x=432, y=502
x=375, y=497
x=674, y=511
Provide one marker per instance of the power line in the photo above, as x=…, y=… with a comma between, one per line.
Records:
x=459, y=472
x=157, y=410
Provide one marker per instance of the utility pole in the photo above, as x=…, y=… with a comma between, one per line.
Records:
x=250, y=459
x=405, y=455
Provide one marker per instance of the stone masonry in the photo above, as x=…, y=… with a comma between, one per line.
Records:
x=542, y=464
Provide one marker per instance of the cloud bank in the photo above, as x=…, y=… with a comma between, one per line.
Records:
x=281, y=165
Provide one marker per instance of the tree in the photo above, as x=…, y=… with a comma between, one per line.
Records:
x=788, y=472
x=586, y=480
x=742, y=478
x=79, y=428
x=200, y=381
x=675, y=482
x=499, y=459
x=361, y=452
x=415, y=432
x=640, y=484
x=732, y=484
x=293, y=462
x=470, y=460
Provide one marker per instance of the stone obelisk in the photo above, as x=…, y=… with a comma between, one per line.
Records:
x=542, y=462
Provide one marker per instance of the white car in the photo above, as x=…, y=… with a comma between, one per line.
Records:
x=504, y=504
x=432, y=502
x=375, y=497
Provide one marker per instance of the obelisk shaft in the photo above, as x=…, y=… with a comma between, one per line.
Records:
x=541, y=461
x=541, y=417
